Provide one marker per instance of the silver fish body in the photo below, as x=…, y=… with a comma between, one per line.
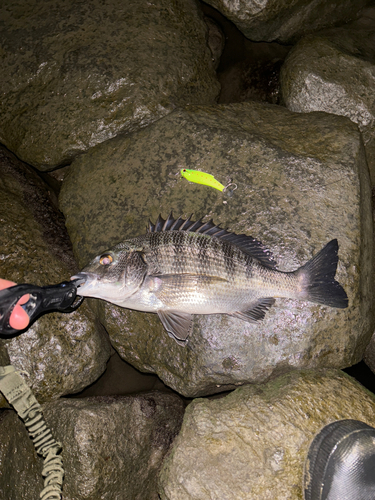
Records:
x=180, y=268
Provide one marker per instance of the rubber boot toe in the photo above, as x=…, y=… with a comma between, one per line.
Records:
x=340, y=464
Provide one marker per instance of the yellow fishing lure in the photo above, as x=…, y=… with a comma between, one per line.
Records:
x=201, y=178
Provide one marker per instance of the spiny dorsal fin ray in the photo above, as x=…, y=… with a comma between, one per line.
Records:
x=247, y=244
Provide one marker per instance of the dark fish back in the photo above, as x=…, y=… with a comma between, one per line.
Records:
x=246, y=244
x=181, y=252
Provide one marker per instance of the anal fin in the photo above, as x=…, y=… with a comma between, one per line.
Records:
x=178, y=325
x=256, y=311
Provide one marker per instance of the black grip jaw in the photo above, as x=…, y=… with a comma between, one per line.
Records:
x=42, y=299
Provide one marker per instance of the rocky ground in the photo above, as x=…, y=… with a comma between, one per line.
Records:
x=103, y=103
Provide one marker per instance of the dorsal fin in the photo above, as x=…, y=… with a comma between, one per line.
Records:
x=247, y=244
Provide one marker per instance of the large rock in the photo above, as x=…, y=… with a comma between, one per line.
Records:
x=253, y=443
x=63, y=353
x=369, y=356
x=74, y=74
x=334, y=71
x=113, y=447
x=302, y=180
x=285, y=20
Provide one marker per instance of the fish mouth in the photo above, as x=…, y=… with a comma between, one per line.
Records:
x=78, y=280
x=85, y=283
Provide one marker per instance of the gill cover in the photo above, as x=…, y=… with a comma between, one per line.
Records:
x=113, y=275
x=136, y=269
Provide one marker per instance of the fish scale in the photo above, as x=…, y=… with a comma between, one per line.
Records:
x=196, y=254
x=181, y=268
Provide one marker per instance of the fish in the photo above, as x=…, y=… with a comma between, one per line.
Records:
x=182, y=267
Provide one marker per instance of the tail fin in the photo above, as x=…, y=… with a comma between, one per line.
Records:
x=318, y=278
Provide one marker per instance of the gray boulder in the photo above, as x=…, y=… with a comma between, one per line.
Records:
x=301, y=179
x=74, y=74
x=215, y=40
x=63, y=353
x=334, y=71
x=252, y=444
x=369, y=356
x=113, y=447
x=285, y=20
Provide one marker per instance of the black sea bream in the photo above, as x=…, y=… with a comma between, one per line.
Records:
x=180, y=268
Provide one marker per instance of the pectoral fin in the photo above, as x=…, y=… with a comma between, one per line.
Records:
x=178, y=325
x=256, y=311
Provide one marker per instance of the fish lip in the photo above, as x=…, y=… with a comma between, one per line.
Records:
x=84, y=281
x=79, y=279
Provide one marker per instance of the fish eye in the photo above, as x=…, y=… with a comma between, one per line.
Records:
x=106, y=259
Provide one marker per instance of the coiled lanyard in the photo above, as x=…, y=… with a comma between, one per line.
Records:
x=19, y=395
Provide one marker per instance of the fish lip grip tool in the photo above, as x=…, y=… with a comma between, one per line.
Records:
x=43, y=299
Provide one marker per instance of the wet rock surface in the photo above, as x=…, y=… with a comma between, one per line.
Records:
x=284, y=20
x=253, y=442
x=334, y=71
x=300, y=181
x=369, y=356
x=247, y=70
x=62, y=353
x=76, y=74
x=113, y=447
